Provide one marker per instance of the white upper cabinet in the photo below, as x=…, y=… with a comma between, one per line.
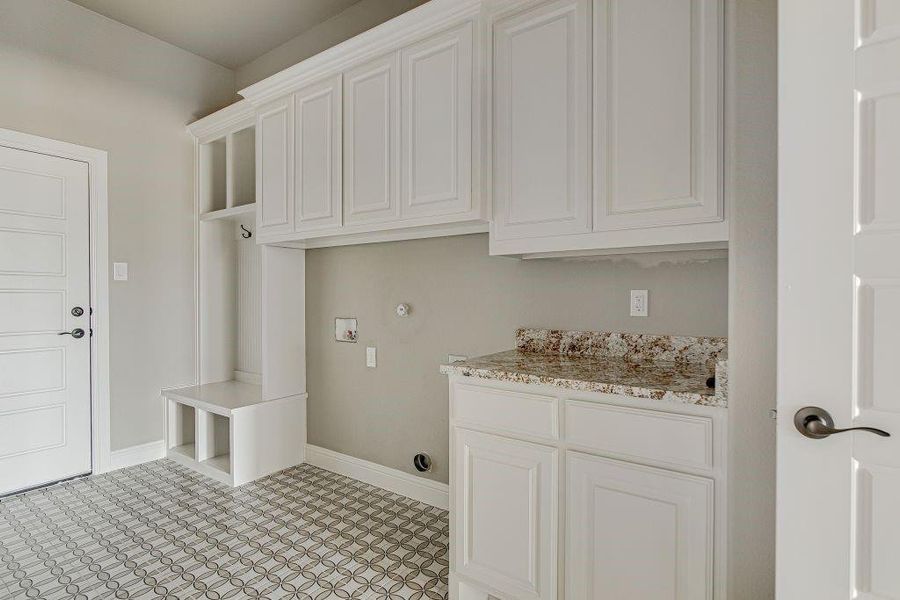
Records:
x=591, y=126
x=318, y=160
x=275, y=168
x=638, y=163
x=656, y=123
x=541, y=86
x=437, y=125
x=372, y=141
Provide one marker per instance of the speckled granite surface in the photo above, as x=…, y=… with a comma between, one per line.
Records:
x=630, y=346
x=668, y=368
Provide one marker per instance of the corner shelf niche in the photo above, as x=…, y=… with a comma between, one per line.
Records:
x=226, y=171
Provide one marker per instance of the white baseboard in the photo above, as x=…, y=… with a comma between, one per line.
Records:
x=424, y=490
x=135, y=455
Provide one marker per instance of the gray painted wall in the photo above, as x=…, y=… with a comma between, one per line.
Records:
x=463, y=302
x=357, y=18
x=69, y=74
x=751, y=134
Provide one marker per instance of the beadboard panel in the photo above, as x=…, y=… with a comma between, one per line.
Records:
x=249, y=353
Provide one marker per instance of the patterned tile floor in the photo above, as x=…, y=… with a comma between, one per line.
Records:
x=160, y=530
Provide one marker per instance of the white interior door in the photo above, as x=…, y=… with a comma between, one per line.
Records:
x=45, y=403
x=839, y=298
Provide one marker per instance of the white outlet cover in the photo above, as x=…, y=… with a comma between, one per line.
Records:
x=120, y=271
x=639, y=303
x=371, y=361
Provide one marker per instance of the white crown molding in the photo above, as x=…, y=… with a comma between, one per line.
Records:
x=419, y=22
x=234, y=116
x=428, y=491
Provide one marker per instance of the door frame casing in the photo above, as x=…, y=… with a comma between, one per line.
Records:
x=99, y=277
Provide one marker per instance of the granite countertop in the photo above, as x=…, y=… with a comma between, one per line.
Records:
x=632, y=371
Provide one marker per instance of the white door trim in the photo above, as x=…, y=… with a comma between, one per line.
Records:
x=99, y=234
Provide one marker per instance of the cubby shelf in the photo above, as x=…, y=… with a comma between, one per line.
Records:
x=228, y=432
x=228, y=213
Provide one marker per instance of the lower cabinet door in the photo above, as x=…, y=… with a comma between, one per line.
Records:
x=637, y=532
x=505, y=514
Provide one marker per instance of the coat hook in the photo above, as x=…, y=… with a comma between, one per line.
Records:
x=246, y=234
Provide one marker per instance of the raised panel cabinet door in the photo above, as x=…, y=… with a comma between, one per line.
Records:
x=275, y=168
x=317, y=164
x=372, y=141
x=657, y=131
x=436, y=170
x=637, y=532
x=541, y=121
x=505, y=514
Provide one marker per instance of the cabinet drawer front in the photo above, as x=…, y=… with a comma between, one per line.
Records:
x=679, y=440
x=512, y=412
x=505, y=515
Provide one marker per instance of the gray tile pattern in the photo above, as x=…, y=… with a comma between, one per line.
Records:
x=160, y=530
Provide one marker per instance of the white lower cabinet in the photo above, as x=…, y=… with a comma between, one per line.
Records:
x=506, y=516
x=637, y=532
x=569, y=495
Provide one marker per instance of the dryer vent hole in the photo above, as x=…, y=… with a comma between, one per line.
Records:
x=422, y=462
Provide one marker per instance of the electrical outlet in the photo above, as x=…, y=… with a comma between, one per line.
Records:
x=456, y=357
x=370, y=357
x=639, y=303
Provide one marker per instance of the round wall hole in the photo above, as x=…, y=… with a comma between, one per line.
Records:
x=422, y=462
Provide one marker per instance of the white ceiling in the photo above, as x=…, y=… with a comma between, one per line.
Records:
x=228, y=32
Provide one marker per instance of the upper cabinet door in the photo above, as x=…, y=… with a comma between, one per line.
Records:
x=275, y=169
x=657, y=127
x=372, y=141
x=541, y=131
x=437, y=125
x=317, y=142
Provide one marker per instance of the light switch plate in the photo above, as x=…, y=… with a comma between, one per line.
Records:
x=120, y=271
x=370, y=357
x=639, y=301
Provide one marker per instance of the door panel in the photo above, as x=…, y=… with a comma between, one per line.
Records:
x=317, y=140
x=541, y=121
x=656, y=97
x=372, y=141
x=437, y=125
x=637, y=532
x=32, y=311
x=506, y=523
x=839, y=298
x=45, y=403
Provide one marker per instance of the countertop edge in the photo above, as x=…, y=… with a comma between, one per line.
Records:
x=715, y=401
